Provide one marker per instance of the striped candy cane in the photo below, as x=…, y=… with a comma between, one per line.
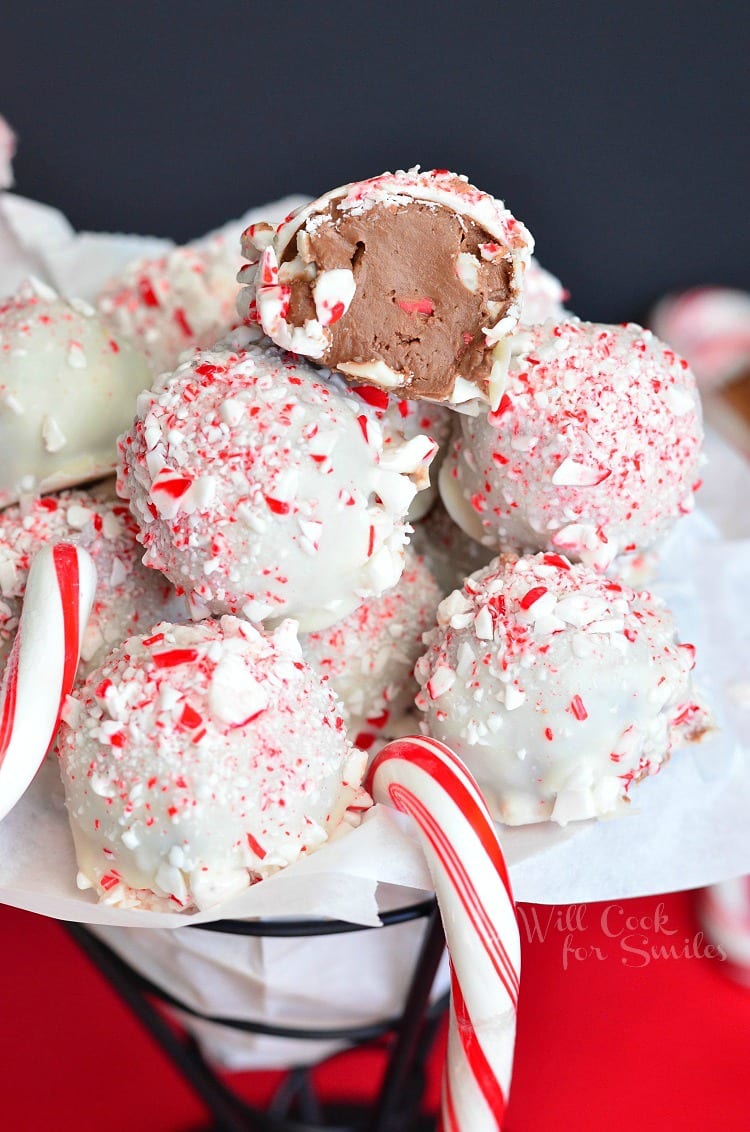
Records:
x=424, y=779
x=43, y=661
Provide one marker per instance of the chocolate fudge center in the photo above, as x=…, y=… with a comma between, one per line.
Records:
x=411, y=310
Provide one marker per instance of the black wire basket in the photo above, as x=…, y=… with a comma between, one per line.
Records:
x=407, y=1038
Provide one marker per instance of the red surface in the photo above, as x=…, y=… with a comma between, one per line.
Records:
x=643, y=1034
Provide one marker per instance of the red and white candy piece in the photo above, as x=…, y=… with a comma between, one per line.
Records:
x=424, y=779
x=43, y=662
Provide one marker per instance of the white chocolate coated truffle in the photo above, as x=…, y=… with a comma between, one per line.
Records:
x=558, y=688
x=199, y=760
x=67, y=388
x=261, y=490
x=174, y=303
x=368, y=658
x=593, y=450
x=129, y=598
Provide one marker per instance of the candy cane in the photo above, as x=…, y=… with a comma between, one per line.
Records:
x=724, y=914
x=424, y=779
x=43, y=661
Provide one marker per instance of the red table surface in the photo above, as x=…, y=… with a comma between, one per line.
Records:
x=625, y=1025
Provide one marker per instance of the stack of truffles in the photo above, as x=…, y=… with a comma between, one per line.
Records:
x=279, y=587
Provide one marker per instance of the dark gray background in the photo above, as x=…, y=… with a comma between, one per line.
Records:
x=619, y=133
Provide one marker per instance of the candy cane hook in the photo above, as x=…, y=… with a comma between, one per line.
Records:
x=42, y=665
x=424, y=779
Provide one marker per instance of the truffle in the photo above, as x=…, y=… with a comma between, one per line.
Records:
x=67, y=387
x=177, y=302
x=409, y=281
x=593, y=450
x=368, y=658
x=259, y=489
x=543, y=296
x=200, y=759
x=557, y=687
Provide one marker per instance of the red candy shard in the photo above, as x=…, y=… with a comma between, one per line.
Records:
x=532, y=596
x=174, y=486
x=171, y=658
x=578, y=708
x=190, y=719
x=416, y=306
x=256, y=847
x=278, y=506
x=556, y=560
x=378, y=398
x=181, y=319
x=504, y=407
x=147, y=293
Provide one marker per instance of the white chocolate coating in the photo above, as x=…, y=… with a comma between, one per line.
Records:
x=594, y=449
x=129, y=598
x=557, y=687
x=67, y=388
x=174, y=303
x=261, y=490
x=199, y=760
x=368, y=658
